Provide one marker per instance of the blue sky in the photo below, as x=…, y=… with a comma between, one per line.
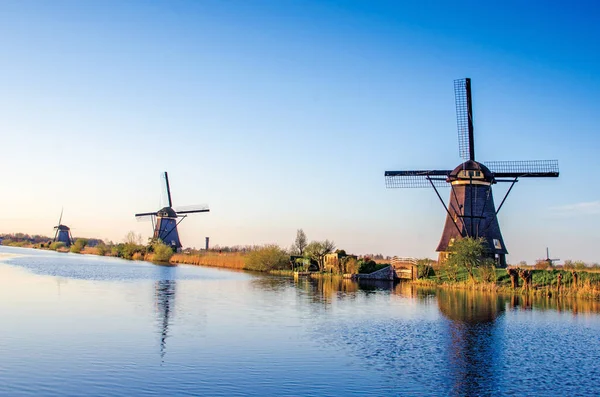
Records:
x=285, y=114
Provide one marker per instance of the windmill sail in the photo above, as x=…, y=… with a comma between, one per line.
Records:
x=524, y=169
x=166, y=191
x=190, y=209
x=464, y=118
x=416, y=178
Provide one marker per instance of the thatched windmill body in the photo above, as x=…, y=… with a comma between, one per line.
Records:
x=63, y=232
x=471, y=211
x=166, y=220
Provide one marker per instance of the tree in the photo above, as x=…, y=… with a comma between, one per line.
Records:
x=424, y=267
x=317, y=250
x=301, y=242
x=468, y=253
x=133, y=238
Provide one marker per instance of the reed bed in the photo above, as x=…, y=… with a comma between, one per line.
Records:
x=226, y=260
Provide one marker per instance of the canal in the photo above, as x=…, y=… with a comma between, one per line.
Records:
x=83, y=325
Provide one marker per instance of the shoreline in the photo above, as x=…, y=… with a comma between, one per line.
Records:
x=580, y=292
x=235, y=262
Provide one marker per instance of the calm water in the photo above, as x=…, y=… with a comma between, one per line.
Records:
x=75, y=325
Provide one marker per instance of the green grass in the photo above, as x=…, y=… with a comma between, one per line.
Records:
x=544, y=282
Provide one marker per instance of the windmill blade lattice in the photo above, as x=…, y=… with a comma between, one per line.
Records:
x=524, y=169
x=190, y=209
x=416, y=179
x=166, y=190
x=464, y=118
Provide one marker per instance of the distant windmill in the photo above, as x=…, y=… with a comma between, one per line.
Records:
x=63, y=233
x=471, y=211
x=165, y=220
x=549, y=261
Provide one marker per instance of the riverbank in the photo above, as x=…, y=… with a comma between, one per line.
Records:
x=566, y=283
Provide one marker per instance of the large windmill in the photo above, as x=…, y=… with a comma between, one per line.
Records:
x=471, y=211
x=165, y=220
x=63, y=233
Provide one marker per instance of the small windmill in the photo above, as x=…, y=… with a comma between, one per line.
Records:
x=548, y=260
x=165, y=220
x=63, y=233
x=471, y=211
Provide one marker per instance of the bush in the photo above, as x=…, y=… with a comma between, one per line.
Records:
x=162, y=252
x=128, y=250
x=367, y=266
x=487, y=271
x=451, y=270
x=102, y=249
x=424, y=268
x=542, y=265
x=79, y=245
x=351, y=266
x=56, y=245
x=268, y=257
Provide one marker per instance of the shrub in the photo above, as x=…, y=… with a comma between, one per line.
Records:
x=268, y=257
x=467, y=253
x=451, y=270
x=352, y=266
x=79, y=245
x=366, y=266
x=541, y=265
x=102, y=249
x=56, y=245
x=162, y=252
x=128, y=250
x=424, y=268
x=487, y=271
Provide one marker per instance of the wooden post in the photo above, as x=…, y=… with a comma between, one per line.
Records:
x=527, y=277
x=514, y=281
x=558, y=281
x=575, y=277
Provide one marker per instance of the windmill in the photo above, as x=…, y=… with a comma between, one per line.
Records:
x=471, y=211
x=547, y=259
x=63, y=233
x=165, y=220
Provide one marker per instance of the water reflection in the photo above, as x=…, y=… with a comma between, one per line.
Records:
x=472, y=329
x=164, y=305
x=326, y=289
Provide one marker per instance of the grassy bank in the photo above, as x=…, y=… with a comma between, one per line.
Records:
x=581, y=283
x=236, y=260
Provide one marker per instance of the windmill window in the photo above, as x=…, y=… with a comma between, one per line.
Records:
x=451, y=242
x=497, y=244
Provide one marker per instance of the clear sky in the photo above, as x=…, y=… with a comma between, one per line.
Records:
x=285, y=114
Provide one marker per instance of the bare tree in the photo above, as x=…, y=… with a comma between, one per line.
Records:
x=133, y=238
x=317, y=250
x=300, y=244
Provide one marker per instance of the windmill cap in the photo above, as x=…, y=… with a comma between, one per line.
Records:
x=62, y=227
x=167, y=212
x=480, y=172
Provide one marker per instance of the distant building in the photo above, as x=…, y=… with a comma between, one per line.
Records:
x=332, y=261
